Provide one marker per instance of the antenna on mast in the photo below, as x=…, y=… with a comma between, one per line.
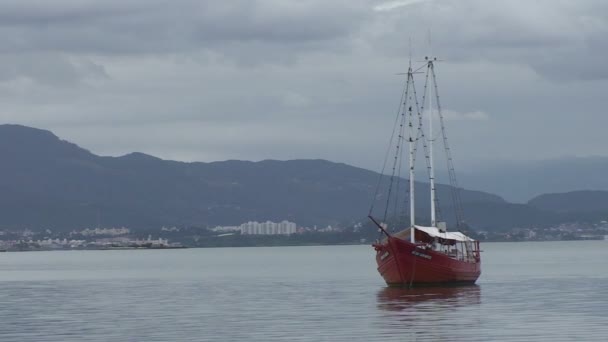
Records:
x=410, y=52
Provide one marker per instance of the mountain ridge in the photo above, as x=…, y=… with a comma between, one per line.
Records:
x=522, y=181
x=53, y=183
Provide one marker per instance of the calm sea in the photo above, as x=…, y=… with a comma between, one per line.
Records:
x=552, y=291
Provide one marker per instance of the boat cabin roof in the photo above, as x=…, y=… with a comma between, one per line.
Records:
x=435, y=232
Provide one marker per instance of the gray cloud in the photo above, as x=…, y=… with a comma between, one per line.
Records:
x=209, y=80
x=163, y=26
x=545, y=35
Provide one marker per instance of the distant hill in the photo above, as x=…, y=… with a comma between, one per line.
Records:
x=46, y=182
x=584, y=201
x=521, y=181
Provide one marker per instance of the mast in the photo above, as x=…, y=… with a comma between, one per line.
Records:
x=412, y=174
x=410, y=76
x=431, y=140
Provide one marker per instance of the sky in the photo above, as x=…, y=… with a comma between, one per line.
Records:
x=204, y=80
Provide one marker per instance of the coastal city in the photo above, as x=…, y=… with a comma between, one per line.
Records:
x=270, y=233
x=257, y=228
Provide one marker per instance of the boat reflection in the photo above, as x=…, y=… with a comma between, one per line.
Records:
x=399, y=299
x=429, y=314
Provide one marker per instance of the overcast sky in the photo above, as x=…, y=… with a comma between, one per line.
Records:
x=207, y=80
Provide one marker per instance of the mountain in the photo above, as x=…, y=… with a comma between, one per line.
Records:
x=46, y=182
x=521, y=181
x=584, y=201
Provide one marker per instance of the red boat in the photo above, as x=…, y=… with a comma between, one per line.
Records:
x=422, y=255
x=436, y=258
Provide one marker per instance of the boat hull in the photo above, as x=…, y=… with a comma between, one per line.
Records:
x=402, y=263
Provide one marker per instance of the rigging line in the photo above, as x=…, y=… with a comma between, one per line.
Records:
x=422, y=137
x=400, y=162
x=397, y=151
x=419, y=110
x=436, y=214
x=404, y=125
x=411, y=140
x=420, y=68
x=390, y=143
x=420, y=131
x=455, y=189
x=410, y=177
x=406, y=121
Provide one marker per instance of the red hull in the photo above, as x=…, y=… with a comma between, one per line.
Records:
x=402, y=263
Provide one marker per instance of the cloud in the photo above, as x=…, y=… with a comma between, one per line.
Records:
x=548, y=36
x=545, y=35
x=391, y=5
x=162, y=26
x=254, y=79
x=49, y=68
x=291, y=99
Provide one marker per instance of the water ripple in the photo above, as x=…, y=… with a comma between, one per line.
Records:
x=298, y=294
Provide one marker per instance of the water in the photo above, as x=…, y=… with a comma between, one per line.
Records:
x=554, y=291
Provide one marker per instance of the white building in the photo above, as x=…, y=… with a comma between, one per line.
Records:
x=268, y=228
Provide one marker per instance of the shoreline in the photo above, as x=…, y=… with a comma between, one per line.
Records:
x=261, y=245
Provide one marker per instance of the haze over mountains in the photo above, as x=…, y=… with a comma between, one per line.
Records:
x=46, y=182
x=521, y=181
